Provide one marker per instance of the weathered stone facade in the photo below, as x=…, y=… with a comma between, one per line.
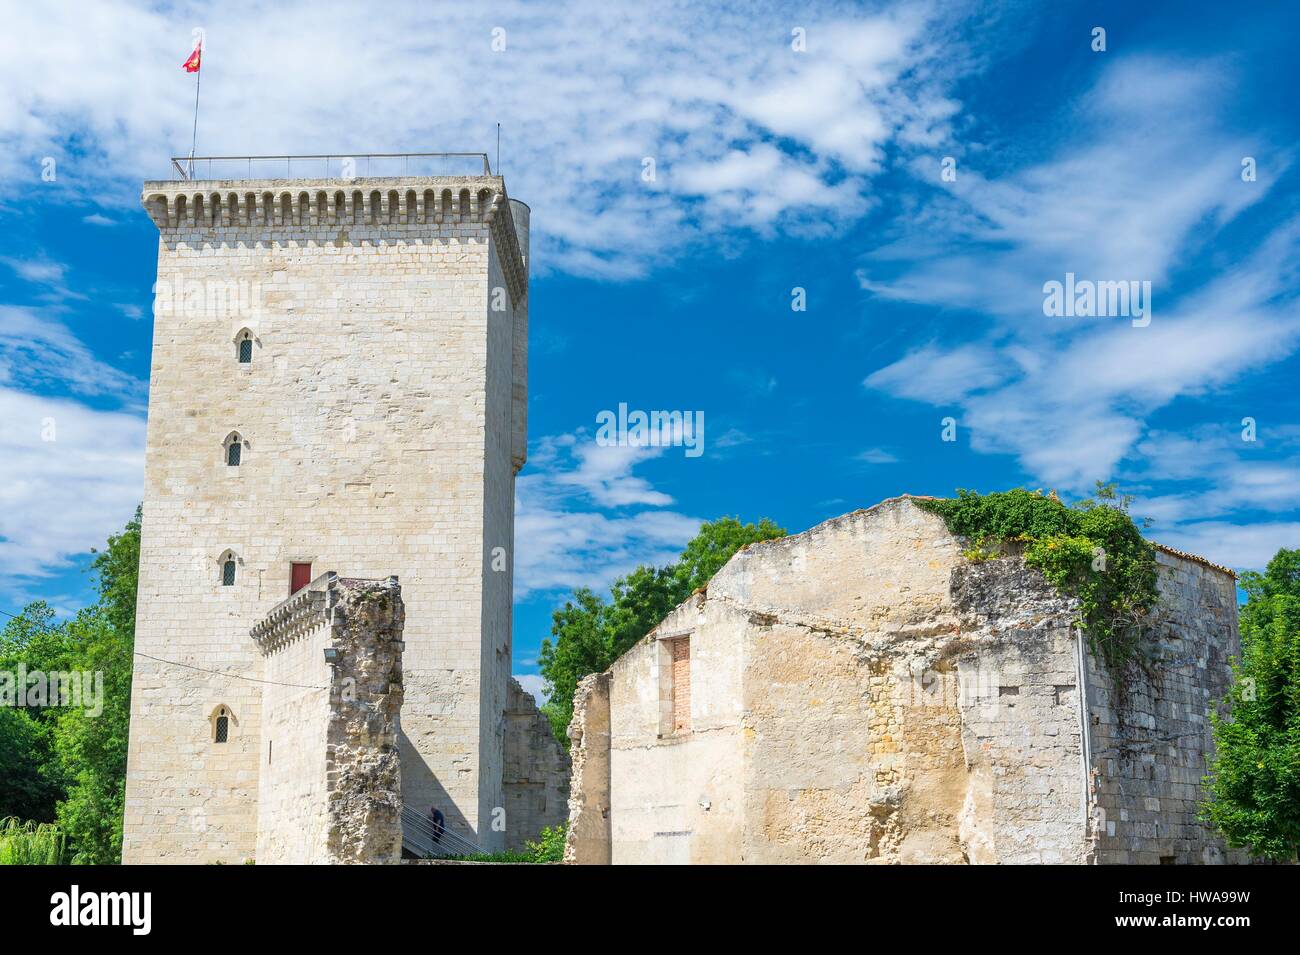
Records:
x=379, y=408
x=862, y=693
x=536, y=776
x=330, y=787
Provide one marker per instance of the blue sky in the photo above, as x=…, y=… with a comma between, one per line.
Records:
x=775, y=168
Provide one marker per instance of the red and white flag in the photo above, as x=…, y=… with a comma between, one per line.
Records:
x=195, y=61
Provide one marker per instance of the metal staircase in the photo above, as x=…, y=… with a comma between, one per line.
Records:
x=420, y=839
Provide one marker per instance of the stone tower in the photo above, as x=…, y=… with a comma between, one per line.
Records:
x=339, y=382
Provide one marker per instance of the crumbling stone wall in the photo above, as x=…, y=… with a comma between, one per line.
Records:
x=862, y=692
x=676, y=797
x=1150, y=733
x=331, y=781
x=1021, y=731
x=588, y=839
x=535, y=781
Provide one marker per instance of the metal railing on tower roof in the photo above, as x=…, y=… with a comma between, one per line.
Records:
x=330, y=166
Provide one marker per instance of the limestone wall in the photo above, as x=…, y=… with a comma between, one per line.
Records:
x=292, y=803
x=535, y=780
x=331, y=785
x=587, y=841
x=1151, y=739
x=362, y=765
x=869, y=695
x=844, y=760
x=375, y=419
x=1021, y=730
x=676, y=797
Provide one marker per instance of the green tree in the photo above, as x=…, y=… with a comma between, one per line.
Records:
x=589, y=634
x=31, y=781
x=118, y=569
x=91, y=749
x=91, y=746
x=1254, y=779
x=26, y=790
x=69, y=762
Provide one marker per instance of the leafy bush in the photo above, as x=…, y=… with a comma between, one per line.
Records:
x=30, y=843
x=549, y=847
x=1091, y=551
x=1254, y=780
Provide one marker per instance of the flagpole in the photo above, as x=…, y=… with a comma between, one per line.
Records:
x=194, y=136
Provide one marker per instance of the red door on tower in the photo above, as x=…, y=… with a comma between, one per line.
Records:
x=299, y=577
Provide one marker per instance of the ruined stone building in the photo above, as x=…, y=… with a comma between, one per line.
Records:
x=861, y=692
x=339, y=383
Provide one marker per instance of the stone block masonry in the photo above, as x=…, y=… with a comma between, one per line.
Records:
x=863, y=693
x=536, y=776
x=331, y=782
x=379, y=407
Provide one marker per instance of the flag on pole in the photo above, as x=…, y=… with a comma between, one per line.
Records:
x=193, y=65
x=195, y=61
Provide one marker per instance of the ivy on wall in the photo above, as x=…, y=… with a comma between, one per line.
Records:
x=1091, y=550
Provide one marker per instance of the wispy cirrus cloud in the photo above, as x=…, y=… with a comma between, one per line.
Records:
x=71, y=475
x=744, y=126
x=1140, y=175
x=582, y=517
x=39, y=353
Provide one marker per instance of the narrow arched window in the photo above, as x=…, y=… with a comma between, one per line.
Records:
x=219, y=721
x=228, y=572
x=246, y=349
x=233, y=449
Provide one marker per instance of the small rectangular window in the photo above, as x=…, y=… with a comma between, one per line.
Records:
x=245, y=351
x=681, y=661
x=299, y=577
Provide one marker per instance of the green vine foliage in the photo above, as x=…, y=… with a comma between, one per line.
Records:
x=1091, y=550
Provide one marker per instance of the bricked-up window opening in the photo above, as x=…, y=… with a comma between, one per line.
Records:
x=299, y=577
x=233, y=451
x=228, y=573
x=681, y=660
x=222, y=731
x=245, y=349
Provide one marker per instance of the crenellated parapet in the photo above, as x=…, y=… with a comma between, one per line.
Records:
x=296, y=616
x=265, y=209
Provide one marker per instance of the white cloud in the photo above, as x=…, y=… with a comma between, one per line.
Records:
x=1239, y=546
x=877, y=456
x=1146, y=178
x=37, y=270
x=940, y=375
x=582, y=518
x=744, y=130
x=533, y=685
x=37, y=352
x=69, y=476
